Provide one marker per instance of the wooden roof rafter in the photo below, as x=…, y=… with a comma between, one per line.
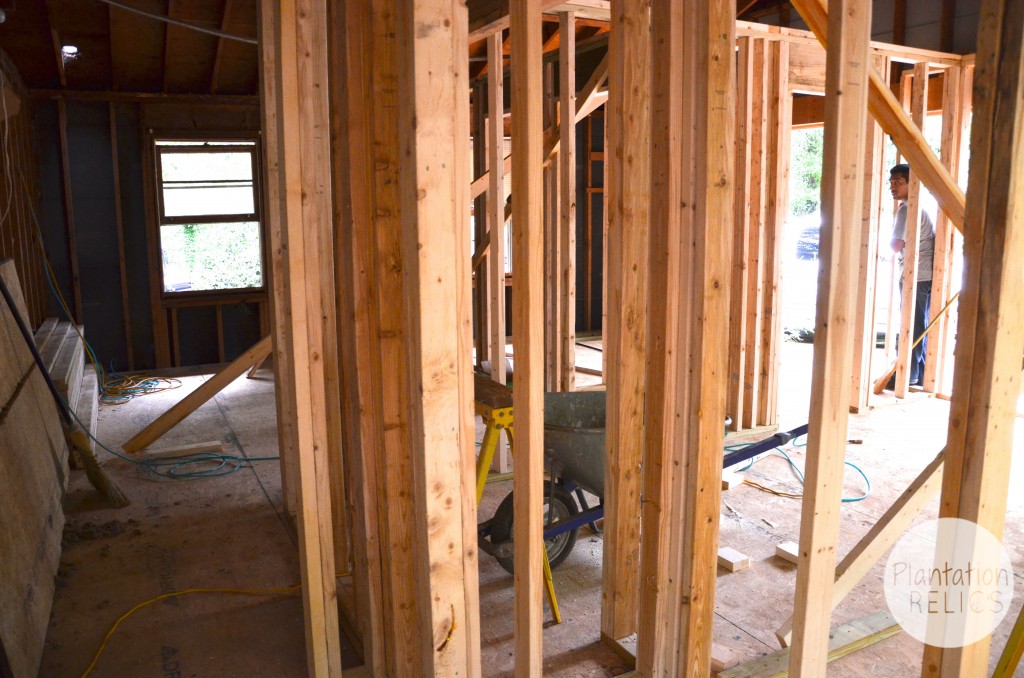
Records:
x=55, y=39
x=167, y=47
x=115, y=81
x=218, y=55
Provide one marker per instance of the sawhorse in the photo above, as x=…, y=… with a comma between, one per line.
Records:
x=493, y=402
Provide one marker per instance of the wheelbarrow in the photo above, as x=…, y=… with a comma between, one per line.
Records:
x=574, y=434
x=574, y=452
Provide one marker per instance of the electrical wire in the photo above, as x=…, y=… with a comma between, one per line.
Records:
x=183, y=24
x=279, y=591
x=800, y=441
x=274, y=591
x=8, y=178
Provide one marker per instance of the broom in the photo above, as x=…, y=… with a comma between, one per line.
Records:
x=75, y=435
x=884, y=379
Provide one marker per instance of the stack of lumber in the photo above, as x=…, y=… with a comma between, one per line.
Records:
x=64, y=356
x=33, y=477
x=60, y=345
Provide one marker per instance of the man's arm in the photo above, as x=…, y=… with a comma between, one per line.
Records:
x=899, y=229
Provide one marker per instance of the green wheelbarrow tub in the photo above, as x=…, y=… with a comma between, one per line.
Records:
x=574, y=435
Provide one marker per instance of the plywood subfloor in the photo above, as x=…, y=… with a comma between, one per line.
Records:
x=230, y=532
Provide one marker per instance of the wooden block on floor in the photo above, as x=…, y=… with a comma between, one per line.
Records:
x=722, y=657
x=733, y=560
x=788, y=551
x=731, y=480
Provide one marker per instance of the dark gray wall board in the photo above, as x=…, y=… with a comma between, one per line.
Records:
x=46, y=128
x=241, y=328
x=198, y=345
x=133, y=217
x=92, y=192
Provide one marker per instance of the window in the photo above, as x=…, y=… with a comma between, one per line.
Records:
x=209, y=205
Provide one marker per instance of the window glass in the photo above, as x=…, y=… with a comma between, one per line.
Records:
x=199, y=257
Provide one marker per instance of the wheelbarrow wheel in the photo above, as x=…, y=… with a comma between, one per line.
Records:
x=559, y=547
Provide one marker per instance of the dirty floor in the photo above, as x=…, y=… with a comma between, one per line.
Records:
x=231, y=532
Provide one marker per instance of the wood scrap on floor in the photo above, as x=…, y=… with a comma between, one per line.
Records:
x=731, y=480
x=732, y=560
x=788, y=551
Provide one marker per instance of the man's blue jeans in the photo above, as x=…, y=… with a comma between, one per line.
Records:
x=922, y=308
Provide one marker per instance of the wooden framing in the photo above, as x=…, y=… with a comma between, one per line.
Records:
x=300, y=114
x=880, y=538
x=552, y=253
x=119, y=224
x=496, y=207
x=280, y=303
x=383, y=281
x=20, y=239
x=911, y=249
x=359, y=329
x=989, y=338
x=481, y=283
x=757, y=194
x=527, y=329
x=741, y=232
x=780, y=104
x=434, y=187
x=497, y=217
x=628, y=198
x=566, y=240
x=391, y=395
x=69, y=207
x=945, y=236
x=864, y=323
x=842, y=195
x=692, y=159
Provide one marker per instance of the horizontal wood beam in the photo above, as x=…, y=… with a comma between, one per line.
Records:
x=490, y=16
x=143, y=97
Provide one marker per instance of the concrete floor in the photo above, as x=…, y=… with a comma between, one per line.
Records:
x=230, y=532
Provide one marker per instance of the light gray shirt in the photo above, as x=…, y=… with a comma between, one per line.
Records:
x=925, y=242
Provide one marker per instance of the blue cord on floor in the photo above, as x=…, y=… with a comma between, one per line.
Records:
x=221, y=464
x=801, y=441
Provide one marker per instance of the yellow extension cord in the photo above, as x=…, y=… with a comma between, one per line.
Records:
x=279, y=591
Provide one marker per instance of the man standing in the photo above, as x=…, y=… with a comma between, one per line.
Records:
x=899, y=186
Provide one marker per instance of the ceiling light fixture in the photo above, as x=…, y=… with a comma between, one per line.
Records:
x=69, y=53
